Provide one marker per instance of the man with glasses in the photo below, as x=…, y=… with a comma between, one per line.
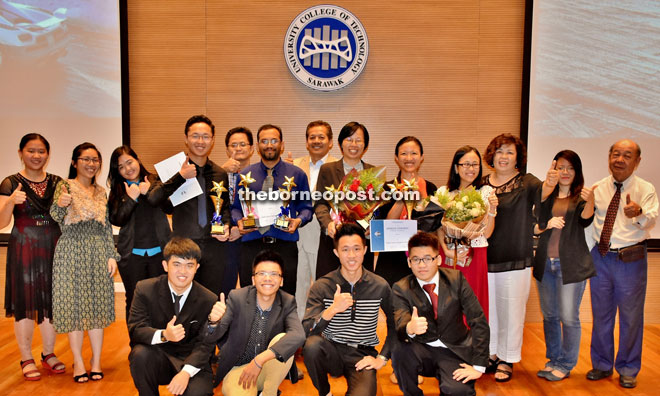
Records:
x=257, y=331
x=342, y=316
x=429, y=308
x=269, y=175
x=192, y=218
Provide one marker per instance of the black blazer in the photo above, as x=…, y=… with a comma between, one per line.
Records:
x=232, y=333
x=455, y=298
x=152, y=308
x=122, y=214
x=574, y=257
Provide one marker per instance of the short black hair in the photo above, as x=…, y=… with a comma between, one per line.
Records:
x=268, y=255
x=236, y=130
x=199, y=118
x=77, y=151
x=328, y=128
x=350, y=129
x=182, y=247
x=422, y=239
x=33, y=136
x=348, y=229
x=269, y=126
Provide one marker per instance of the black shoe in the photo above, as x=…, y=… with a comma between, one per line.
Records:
x=627, y=381
x=294, y=374
x=595, y=374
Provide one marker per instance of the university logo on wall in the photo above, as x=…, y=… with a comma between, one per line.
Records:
x=326, y=47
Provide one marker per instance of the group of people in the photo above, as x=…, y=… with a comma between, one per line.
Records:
x=314, y=283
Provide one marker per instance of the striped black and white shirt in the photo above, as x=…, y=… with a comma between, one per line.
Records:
x=357, y=324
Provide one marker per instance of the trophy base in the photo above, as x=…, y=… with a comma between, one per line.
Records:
x=217, y=229
x=249, y=222
x=282, y=224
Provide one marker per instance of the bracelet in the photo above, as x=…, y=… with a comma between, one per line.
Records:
x=257, y=364
x=492, y=214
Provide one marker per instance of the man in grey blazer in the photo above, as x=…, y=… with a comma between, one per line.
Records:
x=257, y=330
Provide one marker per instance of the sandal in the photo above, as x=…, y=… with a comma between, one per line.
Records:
x=492, y=365
x=96, y=375
x=27, y=374
x=508, y=373
x=57, y=368
x=81, y=379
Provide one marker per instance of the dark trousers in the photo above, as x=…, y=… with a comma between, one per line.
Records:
x=150, y=367
x=287, y=249
x=323, y=357
x=232, y=265
x=211, y=270
x=622, y=286
x=410, y=359
x=137, y=268
x=327, y=261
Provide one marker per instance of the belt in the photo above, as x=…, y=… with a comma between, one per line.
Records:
x=617, y=250
x=356, y=346
x=268, y=239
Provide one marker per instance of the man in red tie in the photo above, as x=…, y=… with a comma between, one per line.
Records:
x=429, y=307
x=625, y=212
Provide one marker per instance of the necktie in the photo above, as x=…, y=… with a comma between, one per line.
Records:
x=177, y=308
x=201, y=200
x=608, y=225
x=430, y=289
x=268, y=181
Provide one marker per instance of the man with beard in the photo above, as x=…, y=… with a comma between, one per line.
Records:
x=269, y=175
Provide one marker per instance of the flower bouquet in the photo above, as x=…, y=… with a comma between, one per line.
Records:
x=361, y=193
x=464, y=219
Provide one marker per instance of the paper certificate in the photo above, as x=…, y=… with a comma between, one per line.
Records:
x=266, y=211
x=391, y=235
x=168, y=168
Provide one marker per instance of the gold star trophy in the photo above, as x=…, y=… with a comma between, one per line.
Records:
x=410, y=186
x=248, y=219
x=282, y=221
x=334, y=210
x=217, y=227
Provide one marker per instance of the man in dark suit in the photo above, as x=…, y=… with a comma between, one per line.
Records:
x=429, y=306
x=166, y=326
x=353, y=142
x=257, y=331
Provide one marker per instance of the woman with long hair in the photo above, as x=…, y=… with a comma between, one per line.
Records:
x=85, y=260
x=563, y=264
x=465, y=171
x=27, y=196
x=144, y=227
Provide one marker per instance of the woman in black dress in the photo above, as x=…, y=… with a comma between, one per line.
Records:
x=27, y=197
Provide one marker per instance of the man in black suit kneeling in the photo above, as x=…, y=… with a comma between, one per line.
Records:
x=166, y=326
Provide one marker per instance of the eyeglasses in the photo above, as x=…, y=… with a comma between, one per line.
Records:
x=350, y=140
x=271, y=141
x=264, y=274
x=467, y=165
x=88, y=160
x=239, y=144
x=206, y=138
x=426, y=259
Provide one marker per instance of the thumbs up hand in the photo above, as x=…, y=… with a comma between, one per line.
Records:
x=174, y=333
x=144, y=186
x=552, y=177
x=341, y=301
x=133, y=191
x=232, y=165
x=65, y=198
x=417, y=325
x=632, y=208
x=289, y=158
x=188, y=170
x=218, y=310
x=18, y=196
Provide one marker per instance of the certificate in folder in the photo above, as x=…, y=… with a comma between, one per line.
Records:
x=391, y=235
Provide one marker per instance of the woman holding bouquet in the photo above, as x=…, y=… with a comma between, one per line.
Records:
x=465, y=172
x=353, y=143
x=562, y=264
x=409, y=156
x=510, y=250
x=144, y=228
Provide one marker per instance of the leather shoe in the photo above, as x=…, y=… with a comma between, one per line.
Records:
x=627, y=381
x=595, y=374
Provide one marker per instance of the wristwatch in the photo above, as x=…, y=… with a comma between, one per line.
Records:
x=383, y=358
x=162, y=336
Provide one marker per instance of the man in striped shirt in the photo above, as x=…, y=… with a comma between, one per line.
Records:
x=341, y=320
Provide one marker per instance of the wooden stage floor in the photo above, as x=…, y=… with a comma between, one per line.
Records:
x=118, y=381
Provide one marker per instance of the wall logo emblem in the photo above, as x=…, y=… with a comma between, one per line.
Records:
x=326, y=47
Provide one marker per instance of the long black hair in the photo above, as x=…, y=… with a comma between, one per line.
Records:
x=73, y=172
x=454, y=180
x=115, y=180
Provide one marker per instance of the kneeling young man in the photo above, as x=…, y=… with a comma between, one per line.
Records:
x=166, y=326
x=429, y=306
x=341, y=319
x=257, y=331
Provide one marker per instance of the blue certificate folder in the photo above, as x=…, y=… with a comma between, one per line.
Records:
x=391, y=235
